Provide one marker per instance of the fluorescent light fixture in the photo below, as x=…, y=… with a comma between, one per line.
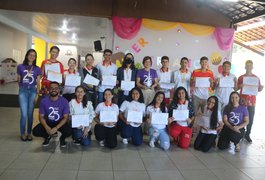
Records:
x=74, y=36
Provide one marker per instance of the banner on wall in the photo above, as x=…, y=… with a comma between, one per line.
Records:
x=175, y=40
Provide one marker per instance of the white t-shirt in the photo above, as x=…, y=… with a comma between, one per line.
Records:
x=134, y=106
x=165, y=77
x=149, y=111
x=182, y=79
x=110, y=70
x=69, y=89
x=103, y=107
x=223, y=93
x=183, y=107
x=207, y=113
x=77, y=109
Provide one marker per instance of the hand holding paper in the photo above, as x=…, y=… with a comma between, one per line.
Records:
x=108, y=116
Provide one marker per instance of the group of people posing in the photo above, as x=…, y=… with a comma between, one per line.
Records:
x=161, y=103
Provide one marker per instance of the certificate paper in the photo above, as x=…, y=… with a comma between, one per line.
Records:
x=108, y=116
x=254, y=81
x=135, y=116
x=72, y=80
x=202, y=82
x=54, y=76
x=226, y=82
x=127, y=85
x=109, y=80
x=180, y=115
x=159, y=118
x=80, y=120
x=55, y=67
x=164, y=85
x=250, y=90
x=91, y=80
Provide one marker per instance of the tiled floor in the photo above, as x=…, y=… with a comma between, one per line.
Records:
x=28, y=160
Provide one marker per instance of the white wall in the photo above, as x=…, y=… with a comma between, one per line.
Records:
x=12, y=39
x=64, y=57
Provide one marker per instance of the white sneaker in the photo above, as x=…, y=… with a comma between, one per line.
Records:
x=101, y=143
x=152, y=144
x=125, y=141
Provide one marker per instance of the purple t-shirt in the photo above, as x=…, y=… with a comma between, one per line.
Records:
x=147, y=78
x=236, y=116
x=54, y=110
x=28, y=75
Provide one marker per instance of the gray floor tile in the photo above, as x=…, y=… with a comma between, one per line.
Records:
x=201, y=174
x=63, y=162
x=167, y=175
x=96, y=163
x=7, y=158
x=231, y=174
x=131, y=175
x=58, y=174
x=95, y=175
x=128, y=163
x=20, y=174
x=158, y=163
x=254, y=173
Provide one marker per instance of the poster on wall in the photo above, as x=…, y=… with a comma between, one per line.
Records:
x=175, y=40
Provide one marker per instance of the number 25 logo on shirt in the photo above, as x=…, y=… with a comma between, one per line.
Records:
x=54, y=115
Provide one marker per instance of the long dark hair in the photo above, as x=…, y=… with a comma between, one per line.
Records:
x=132, y=64
x=162, y=105
x=26, y=60
x=84, y=101
x=214, y=115
x=176, y=98
x=141, y=98
x=229, y=107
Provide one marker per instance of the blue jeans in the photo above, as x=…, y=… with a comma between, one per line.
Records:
x=128, y=131
x=26, y=101
x=161, y=135
x=78, y=136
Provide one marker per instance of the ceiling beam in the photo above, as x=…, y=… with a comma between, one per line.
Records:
x=249, y=48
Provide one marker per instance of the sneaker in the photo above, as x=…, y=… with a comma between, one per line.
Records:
x=23, y=137
x=248, y=139
x=152, y=144
x=77, y=142
x=62, y=142
x=237, y=148
x=124, y=141
x=101, y=143
x=46, y=141
x=55, y=134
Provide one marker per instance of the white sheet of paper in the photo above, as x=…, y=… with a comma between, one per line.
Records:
x=254, y=81
x=109, y=80
x=80, y=120
x=204, y=121
x=135, y=116
x=127, y=85
x=72, y=80
x=250, y=90
x=202, y=82
x=91, y=80
x=108, y=116
x=164, y=85
x=226, y=82
x=54, y=76
x=55, y=67
x=180, y=115
x=159, y=118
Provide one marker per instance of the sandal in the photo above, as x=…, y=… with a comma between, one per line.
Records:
x=23, y=137
x=29, y=137
x=237, y=148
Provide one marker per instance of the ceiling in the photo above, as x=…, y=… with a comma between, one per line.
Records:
x=247, y=16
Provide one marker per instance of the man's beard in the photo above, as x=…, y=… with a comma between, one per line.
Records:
x=53, y=94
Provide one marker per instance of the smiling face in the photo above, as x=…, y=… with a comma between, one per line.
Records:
x=181, y=95
x=54, y=90
x=107, y=56
x=108, y=96
x=165, y=63
x=135, y=95
x=184, y=64
x=226, y=68
x=148, y=64
x=79, y=93
x=72, y=64
x=204, y=64
x=235, y=99
x=89, y=61
x=31, y=57
x=210, y=103
x=249, y=67
x=159, y=98
x=54, y=53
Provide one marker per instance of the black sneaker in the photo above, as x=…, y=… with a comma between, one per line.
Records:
x=62, y=142
x=46, y=141
x=77, y=142
x=248, y=139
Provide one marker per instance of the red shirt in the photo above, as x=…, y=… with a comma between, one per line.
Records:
x=199, y=73
x=249, y=100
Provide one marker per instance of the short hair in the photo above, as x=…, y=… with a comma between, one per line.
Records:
x=71, y=59
x=147, y=58
x=249, y=61
x=107, y=50
x=227, y=62
x=55, y=82
x=88, y=54
x=164, y=57
x=184, y=59
x=203, y=58
x=55, y=47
